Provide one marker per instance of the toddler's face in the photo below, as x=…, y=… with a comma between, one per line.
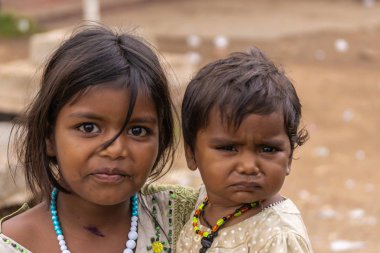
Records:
x=245, y=164
x=105, y=176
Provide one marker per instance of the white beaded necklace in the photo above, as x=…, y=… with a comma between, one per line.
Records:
x=132, y=235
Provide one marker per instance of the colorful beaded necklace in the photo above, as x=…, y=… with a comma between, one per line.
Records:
x=132, y=235
x=207, y=237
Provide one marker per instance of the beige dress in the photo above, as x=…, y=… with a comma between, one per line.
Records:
x=171, y=205
x=277, y=229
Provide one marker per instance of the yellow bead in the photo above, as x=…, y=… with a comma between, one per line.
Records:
x=205, y=234
x=157, y=247
x=220, y=222
x=237, y=214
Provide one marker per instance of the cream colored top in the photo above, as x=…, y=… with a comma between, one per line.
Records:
x=277, y=229
x=182, y=200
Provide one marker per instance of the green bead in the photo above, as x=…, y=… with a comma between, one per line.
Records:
x=220, y=222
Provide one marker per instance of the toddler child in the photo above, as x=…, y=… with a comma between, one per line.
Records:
x=240, y=120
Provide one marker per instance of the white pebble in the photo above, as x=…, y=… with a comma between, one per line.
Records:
x=347, y=115
x=221, y=42
x=357, y=213
x=304, y=194
x=321, y=151
x=360, y=155
x=193, y=41
x=194, y=57
x=344, y=245
x=341, y=45
x=327, y=213
x=350, y=183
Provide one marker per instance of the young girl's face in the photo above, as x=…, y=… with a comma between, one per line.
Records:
x=110, y=175
x=245, y=164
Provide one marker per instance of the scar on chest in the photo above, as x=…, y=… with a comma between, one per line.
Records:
x=94, y=230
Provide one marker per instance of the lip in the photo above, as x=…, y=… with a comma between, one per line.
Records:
x=109, y=175
x=247, y=186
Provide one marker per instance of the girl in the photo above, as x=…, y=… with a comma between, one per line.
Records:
x=240, y=119
x=98, y=129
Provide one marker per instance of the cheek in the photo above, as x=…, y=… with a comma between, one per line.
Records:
x=148, y=154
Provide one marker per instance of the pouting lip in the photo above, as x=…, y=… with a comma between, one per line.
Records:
x=247, y=184
x=110, y=171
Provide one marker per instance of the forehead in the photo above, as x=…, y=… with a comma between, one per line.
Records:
x=218, y=119
x=110, y=99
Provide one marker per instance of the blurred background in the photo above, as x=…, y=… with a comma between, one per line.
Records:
x=329, y=48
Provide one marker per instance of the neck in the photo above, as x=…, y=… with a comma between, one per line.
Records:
x=76, y=212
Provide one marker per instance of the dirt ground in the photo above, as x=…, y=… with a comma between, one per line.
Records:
x=331, y=50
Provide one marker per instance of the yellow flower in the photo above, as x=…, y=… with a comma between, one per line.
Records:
x=157, y=247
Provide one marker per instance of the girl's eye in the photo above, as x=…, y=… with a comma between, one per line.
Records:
x=268, y=149
x=88, y=128
x=138, y=131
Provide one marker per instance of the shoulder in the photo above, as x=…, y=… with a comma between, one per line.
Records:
x=180, y=193
x=24, y=226
x=283, y=227
x=290, y=240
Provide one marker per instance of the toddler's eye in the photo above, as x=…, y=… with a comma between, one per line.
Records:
x=228, y=148
x=88, y=128
x=268, y=149
x=138, y=131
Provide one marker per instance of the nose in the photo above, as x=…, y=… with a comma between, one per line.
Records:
x=248, y=163
x=115, y=150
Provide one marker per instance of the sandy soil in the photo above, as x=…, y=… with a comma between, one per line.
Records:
x=334, y=179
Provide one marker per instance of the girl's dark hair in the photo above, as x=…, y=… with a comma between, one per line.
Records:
x=238, y=85
x=92, y=56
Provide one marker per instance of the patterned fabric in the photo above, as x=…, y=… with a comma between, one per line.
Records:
x=7, y=245
x=275, y=229
x=172, y=204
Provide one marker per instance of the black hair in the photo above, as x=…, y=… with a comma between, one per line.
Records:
x=93, y=55
x=241, y=84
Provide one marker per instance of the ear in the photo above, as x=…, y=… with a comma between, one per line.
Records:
x=288, y=168
x=190, y=158
x=50, y=146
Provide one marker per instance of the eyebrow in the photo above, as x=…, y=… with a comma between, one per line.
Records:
x=133, y=120
x=143, y=119
x=220, y=140
x=85, y=115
